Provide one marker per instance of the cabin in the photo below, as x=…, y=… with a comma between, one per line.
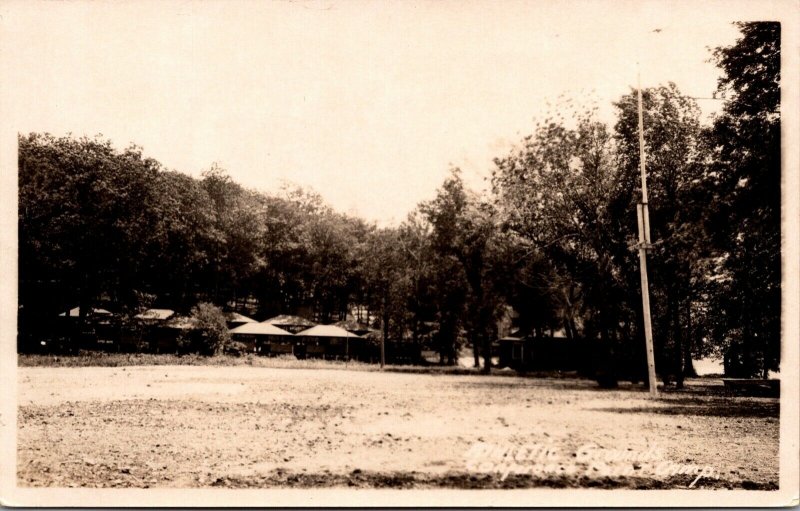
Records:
x=177, y=334
x=513, y=352
x=264, y=339
x=99, y=331
x=145, y=334
x=328, y=342
x=547, y=353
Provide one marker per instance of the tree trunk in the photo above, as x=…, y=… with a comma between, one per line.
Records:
x=573, y=328
x=84, y=304
x=487, y=352
x=567, y=329
x=688, y=349
x=385, y=336
x=678, y=337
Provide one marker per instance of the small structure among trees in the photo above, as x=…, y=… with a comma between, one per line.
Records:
x=329, y=341
x=264, y=338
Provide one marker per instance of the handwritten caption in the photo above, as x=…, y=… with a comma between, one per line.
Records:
x=592, y=460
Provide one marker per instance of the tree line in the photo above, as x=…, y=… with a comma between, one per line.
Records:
x=554, y=239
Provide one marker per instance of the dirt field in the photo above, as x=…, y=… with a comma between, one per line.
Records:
x=193, y=426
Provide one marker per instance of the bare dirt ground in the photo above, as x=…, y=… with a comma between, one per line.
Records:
x=194, y=426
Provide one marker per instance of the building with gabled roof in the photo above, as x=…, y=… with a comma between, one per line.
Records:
x=264, y=338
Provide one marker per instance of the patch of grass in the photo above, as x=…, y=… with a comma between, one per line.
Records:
x=101, y=359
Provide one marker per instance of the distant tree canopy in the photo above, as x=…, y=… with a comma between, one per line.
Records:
x=554, y=240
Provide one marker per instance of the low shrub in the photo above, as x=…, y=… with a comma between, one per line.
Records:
x=212, y=329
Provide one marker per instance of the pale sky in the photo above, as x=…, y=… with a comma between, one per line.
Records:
x=368, y=103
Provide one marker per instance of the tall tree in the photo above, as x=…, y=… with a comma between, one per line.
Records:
x=238, y=219
x=554, y=192
x=746, y=222
x=678, y=195
x=563, y=193
x=184, y=240
x=436, y=290
x=384, y=281
x=465, y=228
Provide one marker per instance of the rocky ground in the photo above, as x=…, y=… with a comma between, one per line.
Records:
x=244, y=427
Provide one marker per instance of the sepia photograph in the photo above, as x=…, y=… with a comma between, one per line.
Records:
x=406, y=253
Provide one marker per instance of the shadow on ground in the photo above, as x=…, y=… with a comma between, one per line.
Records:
x=710, y=407
x=413, y=480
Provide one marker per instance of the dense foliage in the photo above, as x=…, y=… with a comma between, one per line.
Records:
x=553, y=245
x=212, y=329
x=746, y=167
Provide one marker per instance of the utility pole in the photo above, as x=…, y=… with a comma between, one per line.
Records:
x=644, y=243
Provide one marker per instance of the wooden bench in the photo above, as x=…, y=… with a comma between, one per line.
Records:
x=753, y=387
